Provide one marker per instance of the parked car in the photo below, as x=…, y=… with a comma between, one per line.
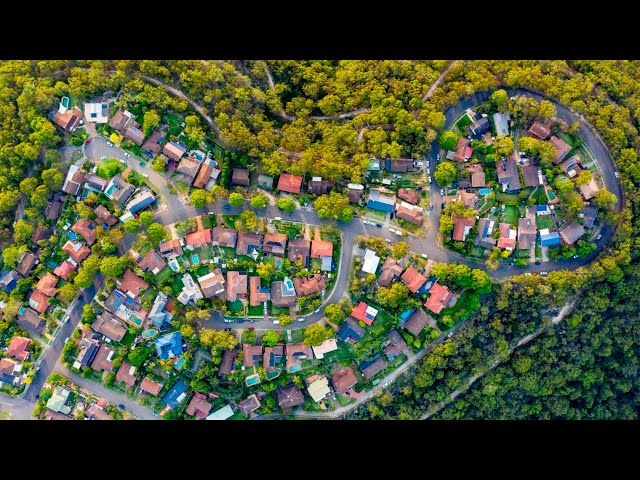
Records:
x=379, y=225
x=110, y=144
x=123, y=162
x=424, y=255
x=251, y=328
x=442, y=206
x=616, y=174
x=212, y=213
x=227, y=207
x=431, y=207
x=575, y=256
x=103, y=157
x=544, y=274
x=387, y=240
x=599, y=237
x=142, y=164
x=121, y=406
x=442, y=192
x=88, y=141
x=428, y=165
x=145, y=175
x=429, y=178
x=317, y=311
x=127, y=155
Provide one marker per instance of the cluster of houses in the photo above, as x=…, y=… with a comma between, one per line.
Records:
x=17, y=351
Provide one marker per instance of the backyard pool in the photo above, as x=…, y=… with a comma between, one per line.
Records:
x=149, y=333
x=195, y=259
x=72, y=236
x=485, y=191
x=252, y=379
x=109, y=191
x=174, y=265
x=551, y=195
x=180, y=363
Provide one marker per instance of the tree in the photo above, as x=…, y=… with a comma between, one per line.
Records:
x=503, y=145
x=393, y=297
x=112, y=266
x=84, y=210
x=334, y=205
x=315, y=334
x=493, y=259
x=399, y=249
x=187, y=330
x=88, y=314
x=12, y=255
x=500, y=100
x=83, y=279
x=285, y=320
x=145, y=218
x=446, y=225
x=198, y=197
x=605, y=199
x=334, y=313
x=68, y=291
x=259, y=201
x=22, y=232
x=286, y=204
x=346, y=215
x=156, y=233
x=448, y=140
x=583, y=178
x=52, y=178
x=193, y=130
x=270, y=338
x=159, y=164
x=445, y=173
x=265, y=270
x=131, y=226
x=249, y=336
x=137, y=357
x=217, y=340
x=547, y=110
x=150, y=120
x=236, y=199
x=28, y=185
x=248, y=221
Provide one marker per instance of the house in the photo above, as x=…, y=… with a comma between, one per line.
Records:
x=265, y=182
x=290, y=183
x=440, y=298
x=372, y=367
x=289, y=396
x=88, y=348
x=318, y=387
x=309, y=285
x=212, y=284
x=463, y=150
x=571, y=166
x=190, y=291
x=274, y=243
x=198, y=238
x=40, y=233
x=223, y=237
x=109, y=326
x=169, y=345
x=198, y=407
x=251, y=355
x=589, y=215
x=355, y=192
x=134, y=134
x=158, y=315
x=94, y=412
x=102, y=360
x=75, y=177
x=221, y=414
x=507, y=239
x=571, y=232
x=47, y=284
x=343, y=380
x=152, y=262
x=104, y=217
x=151, y=387
x=8, y=370
x=76, y=251
x=299, y=249
x=396, y=345
x=204, y=174
x=18, y=348
x=86, y=229
x=548, y=238
x=527, y=233
x=39, y=301
x=96, y=112
x=257, y=294
x=413, y=279
x=390, y=269
x=418, y=320
x=508, y=175
x=485, y=238
x=69, y=119
x=272, y=357
x=371, y=261
x=461, y=227
x=477, y=128
x=240, y=176
x=152, y=144
x=318, y=186
x=228, y=362
x=296, y=353
x=408, y=195
x=532, y=176
x=410, y=213
x=399, y=165
x=141, y=200
x=364, y=313
x=120, y=119
x=377, y=201
x=540, y=130
x=58, y=400
x=487, y=138
x=126, y=374
x=29, y=319
x=171, y=247
x=189, y=169
x=589, y=190
x=176, y=395
x=119, y=190
x=236, y=286
x=501, y=122
x=132, y=284
x=247, y=242
x=283, y=293
x=323, y=250
x=249, y=404
x=53, y=208
x=9, y=280
x=350, y=331
x=477, y=175
x=561, y=147
x=173, y=151
x=329, y=345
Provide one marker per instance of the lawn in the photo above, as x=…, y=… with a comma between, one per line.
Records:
x=174, y=123
x=128, y=338
x=344, y=400
x=236, y=416
x=315, y=264
x=465, y=298
x=297, y=335
x=230, y=220
x=183, y=187
x=234, y=306
x=510, y=214
x=257, y=311
x=507, y=198
x=477, y=252
x=163, y=275
x=209, y=221
x=279, y=310
x=545, y=221
x=204, y=253
x=109, y=168
x=176, y=285
x=342, y=353
x=540, y=196
x=375, y=214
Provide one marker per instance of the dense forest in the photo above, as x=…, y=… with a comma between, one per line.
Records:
x=327, y=118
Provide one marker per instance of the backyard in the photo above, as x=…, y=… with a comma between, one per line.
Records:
x=510, y=215
x=545, y=221
x=109, y=168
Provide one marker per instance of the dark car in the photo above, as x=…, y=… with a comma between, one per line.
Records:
x=142, y=164
x=121, y=406
x=442, y=206
x=88, y=142
x=227, y=207
x=379, y=225
x=431, y=207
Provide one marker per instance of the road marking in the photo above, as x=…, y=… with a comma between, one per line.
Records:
x=8, y=404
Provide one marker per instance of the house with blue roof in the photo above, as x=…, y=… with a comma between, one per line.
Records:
x=350, y=331
x=8, y=280
x=169, y=345
x=377, y=201
x=548, y=238
x=140, y=201
x=176, y=394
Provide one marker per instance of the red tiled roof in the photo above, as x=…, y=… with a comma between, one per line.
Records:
x=540, y=130
x=439, y=295
x=506, y=242
x=413, y=279
x=256, y=297
x=152, y=261
x=410, y=196
x=78, y=255
x=123, y=375
x=459, y=224
x=359, y=313
x=86, y=229
x=173, y=151
x=343, y=380
x=64, y=269
x=103, y=214
x=133, y=283
x=321, y=248
x=289, y=183
x=18, y=348
x=411, y=215
x=561, y=147
x=47, y=284
x=236, y=286
x=150, y=386
x=39, y=301
x=310, y=285
x=198, y=406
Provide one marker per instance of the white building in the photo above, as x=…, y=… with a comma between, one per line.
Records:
x=96, y=112
x=371, y=261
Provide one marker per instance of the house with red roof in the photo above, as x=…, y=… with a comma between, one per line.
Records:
x=64, y=269
x=364, y=313
x=39, y=301
x=47, y=284
x=461, y=227
x=290, y=183
x=413, y=279
x=440, y=298
x=131, y=283
x=199, y=238
x=19, y=348
x=86, y=229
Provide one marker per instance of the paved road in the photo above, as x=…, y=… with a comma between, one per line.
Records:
x=20, y=408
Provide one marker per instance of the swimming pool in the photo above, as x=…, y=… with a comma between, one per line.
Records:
x=252, y=380
x=195, y=259
x=174, y=265
x=72, y=236
x=485, y=191
x=180, y=363
x=149, y=333
x=109, y=190
x=551, y=195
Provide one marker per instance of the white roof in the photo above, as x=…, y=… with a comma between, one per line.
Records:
x=371, y=261
x=222, y=414
x=319, y=389
x=544, y=231
x=355, y=186
x=93, y=112
x=327, y=346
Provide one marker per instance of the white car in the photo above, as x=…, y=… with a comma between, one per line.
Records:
x=317, y=311
x=212, y=213
x=387, y=240
x=438, y=157
x=127, y=155
x=145, y=175
x=616, y=174
x=110, y=144
x=424, y=255
x=428, y=165
x=441, y=192
x=123, y=162
x=103, y=157
x=544, y=274
x=429, y=178
x=599, y=237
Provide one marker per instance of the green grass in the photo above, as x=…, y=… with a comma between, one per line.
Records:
x=202, y=270
x=545, y=221
x=279, y=310
x=568, y=138
x=230, y=220
x=459, y=304
x=507, y=198
x=149, y=295
x=375, y=214
x=510, y=215
x=173, y=123
x=237, y=415
x=540, y=196
x=128, y=338
x=234, y=306
x=163, y=274
x=342, y=353
x=344, y=400
x=464, y=121
x=315, y=264
x=477, y=252
x=176, y=285
x=183, y=187
x=109, y=168
x=257, y=311
x=297, y=335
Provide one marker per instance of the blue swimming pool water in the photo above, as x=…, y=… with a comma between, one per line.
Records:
x=485, y=191
x=174, y=265
x=195, y=259
x=72, y=236
x=180, y=363
x=253, y=380
x=109, y=190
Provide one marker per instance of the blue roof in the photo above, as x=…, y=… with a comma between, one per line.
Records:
x=9, y=279
x=350, y=329
x=367, y=363
x=134, y=207
x=169, y=343
x=171, y=397
x=551, y=239
x=385, y=207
